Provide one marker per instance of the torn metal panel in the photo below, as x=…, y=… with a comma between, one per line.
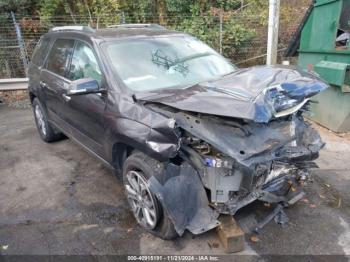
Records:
x=142, y=129
x=240, y=162
x=182, y=195
x=254, y=143
x=255, y=93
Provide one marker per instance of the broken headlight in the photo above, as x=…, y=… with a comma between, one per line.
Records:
x=279, y=100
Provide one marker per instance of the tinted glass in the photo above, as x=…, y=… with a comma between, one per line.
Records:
x=40, y=51
x=165, y=62
x=84, y=64
x=58, y=59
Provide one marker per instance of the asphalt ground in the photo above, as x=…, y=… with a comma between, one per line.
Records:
x=56, y=199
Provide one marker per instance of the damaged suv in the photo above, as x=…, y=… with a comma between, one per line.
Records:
x=191, y=135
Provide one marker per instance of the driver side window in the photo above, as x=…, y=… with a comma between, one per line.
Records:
x=84, y=64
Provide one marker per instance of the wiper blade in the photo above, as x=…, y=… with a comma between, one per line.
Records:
x=176, y=63
x=190, y=57
x=162, y=60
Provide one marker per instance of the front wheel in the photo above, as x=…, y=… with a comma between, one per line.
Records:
x=148, y=211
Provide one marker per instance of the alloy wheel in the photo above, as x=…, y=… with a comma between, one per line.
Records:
x=40, y=120
x=141, y=200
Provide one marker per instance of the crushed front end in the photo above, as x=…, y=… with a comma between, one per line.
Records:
x=244, y=137
x=243, y=162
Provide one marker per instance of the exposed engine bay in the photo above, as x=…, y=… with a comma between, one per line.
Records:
x=239, y=162
x=252, y=162
x=222, y=163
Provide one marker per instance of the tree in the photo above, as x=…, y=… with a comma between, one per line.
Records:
x=28, y=7
x=93, y=12
x=102, y=11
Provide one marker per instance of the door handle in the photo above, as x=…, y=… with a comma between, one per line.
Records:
x=66, y=98
x=43, y=84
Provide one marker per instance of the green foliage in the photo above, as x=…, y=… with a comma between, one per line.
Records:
x=203, y=27
x=235, y=35
x=102, y=11
x=200, y=18
x=137, y=11
x=23, y=6
x=92, y=12
x=179, y=6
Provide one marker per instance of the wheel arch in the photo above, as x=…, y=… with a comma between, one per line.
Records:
x=32, y=96
x=120, y=151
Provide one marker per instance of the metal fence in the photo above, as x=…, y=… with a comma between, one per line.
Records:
x=241, y=38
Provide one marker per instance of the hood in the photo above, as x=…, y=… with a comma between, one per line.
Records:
x=257, y=93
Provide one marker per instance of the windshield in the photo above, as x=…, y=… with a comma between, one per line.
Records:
x=171, y=62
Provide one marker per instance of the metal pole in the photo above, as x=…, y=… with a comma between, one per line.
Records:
x=21, y=45
x=123, y=18
x=272, y=38
x=220, y=36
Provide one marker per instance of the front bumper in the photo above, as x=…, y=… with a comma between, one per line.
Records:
x=284, y=187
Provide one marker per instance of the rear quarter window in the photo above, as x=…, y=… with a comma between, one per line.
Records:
x=40, y=51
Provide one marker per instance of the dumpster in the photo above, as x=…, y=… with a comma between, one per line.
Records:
x=323, y=45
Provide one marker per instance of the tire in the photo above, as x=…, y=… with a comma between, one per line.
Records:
x=47, y=132
x=144, y=166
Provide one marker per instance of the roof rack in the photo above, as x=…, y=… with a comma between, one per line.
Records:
x=136, y=26
x=73, y=28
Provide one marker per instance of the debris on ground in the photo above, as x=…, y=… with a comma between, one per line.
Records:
x=20, y=104
x=321, y=196
x=305, y=200
x=213, y=244
x=230, y=234
x=254, y=239
x=278, y=209
x=339, y=202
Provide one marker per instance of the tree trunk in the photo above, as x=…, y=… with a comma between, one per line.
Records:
x=162, y=12
x=70, y=10
x=97, y=21
x=89, y=12
x=154, y=10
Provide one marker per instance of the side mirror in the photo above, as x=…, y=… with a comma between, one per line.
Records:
x=84, y=86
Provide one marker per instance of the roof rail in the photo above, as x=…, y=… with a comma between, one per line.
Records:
x=136, y=26
x=72, y=28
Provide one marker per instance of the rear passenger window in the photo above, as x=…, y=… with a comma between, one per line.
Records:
x=40, y=51
x=58, y=59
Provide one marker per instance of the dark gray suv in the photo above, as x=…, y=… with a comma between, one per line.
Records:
x=191, y=135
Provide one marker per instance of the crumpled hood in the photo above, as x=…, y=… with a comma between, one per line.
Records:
x=243, y=94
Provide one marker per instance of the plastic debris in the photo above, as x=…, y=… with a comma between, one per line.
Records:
x=213, y=244
x=254, y=238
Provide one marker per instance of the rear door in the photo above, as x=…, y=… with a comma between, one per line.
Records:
x=54, y=82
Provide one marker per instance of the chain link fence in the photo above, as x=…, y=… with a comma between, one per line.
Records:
x=239, y=37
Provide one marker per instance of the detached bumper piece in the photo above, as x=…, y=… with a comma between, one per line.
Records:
x=183, y=196
x=278, y=214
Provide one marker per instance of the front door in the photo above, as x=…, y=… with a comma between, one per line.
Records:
x=85, y=112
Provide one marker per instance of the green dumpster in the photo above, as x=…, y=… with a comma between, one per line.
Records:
x=324, y=47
